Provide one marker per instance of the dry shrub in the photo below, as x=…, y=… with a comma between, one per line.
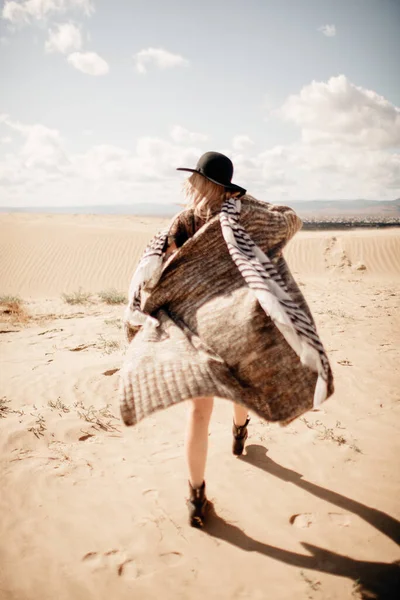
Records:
x=100, y=419
x=4, y=407
x=113, y=296
x=114, y=322
x=108, y=346
x=79, y=297
x=12, y=309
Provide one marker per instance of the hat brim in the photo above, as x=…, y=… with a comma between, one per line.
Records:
x=229, y=186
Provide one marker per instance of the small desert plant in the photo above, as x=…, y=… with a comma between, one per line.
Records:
x=79, y=297
x=108, y=346
x=339, y=313
x=4, y=407
x=356, y=448
x=329, y=434
x=39, y=427
x=312, y=583
x=325, y=433
x=98, y=418
x=8, y=299
x=113, y=296
x=114, y=322
x=58, y=405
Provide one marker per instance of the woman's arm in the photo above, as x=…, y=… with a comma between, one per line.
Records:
x=290, y=221
x=283, y=224
x=170, y=247
x=181, y=229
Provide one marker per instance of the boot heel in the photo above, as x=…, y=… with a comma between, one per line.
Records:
x=240, y=435
x=197, y=505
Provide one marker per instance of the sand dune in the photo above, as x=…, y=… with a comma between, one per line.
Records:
x=43, y=256
x=375, y=253
x=90, y=510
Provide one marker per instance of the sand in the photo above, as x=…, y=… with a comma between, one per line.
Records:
x=90, y=509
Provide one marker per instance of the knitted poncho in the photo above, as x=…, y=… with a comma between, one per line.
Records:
x=224, y=317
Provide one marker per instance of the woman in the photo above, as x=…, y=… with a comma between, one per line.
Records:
x=205, y=197
x=214, y=311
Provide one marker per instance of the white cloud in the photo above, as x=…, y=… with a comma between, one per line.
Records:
x=39, y=169
x=42, y=147
x=339, y=111
x=184, y=136
x=20, y=13
x=43, y=172
x=158, y=57
x=157, y=158
x=242, y=142
x=330, y=171
x=349, y=147
x=349, y=144
x=65, y=38
x=6, y=139
x=89, y=63
x=328, y=30
x=15, y=13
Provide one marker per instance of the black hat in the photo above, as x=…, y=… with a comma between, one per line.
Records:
x=217, y=168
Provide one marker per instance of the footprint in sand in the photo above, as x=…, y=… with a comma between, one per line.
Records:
x=129, y=569
x=345, y=363
x=340, y=519
x=124, y=565
x=115, y=560
x=302, y=520
x=305, y=520
x=150, y=493
x=170, y=559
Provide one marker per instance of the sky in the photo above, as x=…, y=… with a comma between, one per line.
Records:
x=101, y=100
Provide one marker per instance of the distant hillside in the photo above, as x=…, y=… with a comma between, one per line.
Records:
x=305, y=208
x=150, y=210
x=347, y=208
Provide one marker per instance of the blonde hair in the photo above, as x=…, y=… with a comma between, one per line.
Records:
x=204, y=196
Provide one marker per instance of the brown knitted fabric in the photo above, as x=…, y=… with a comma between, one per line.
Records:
x=214, y=339
x=184, y=226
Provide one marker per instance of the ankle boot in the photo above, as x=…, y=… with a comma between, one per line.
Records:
x=240, y=435
x=197, y=505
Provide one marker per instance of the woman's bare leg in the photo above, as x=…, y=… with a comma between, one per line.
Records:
x=240, y=414
x=200, y=410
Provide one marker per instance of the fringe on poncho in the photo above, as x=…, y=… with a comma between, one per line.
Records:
x=204, y=326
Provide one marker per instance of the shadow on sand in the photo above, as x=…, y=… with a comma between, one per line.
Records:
x=374, y=580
